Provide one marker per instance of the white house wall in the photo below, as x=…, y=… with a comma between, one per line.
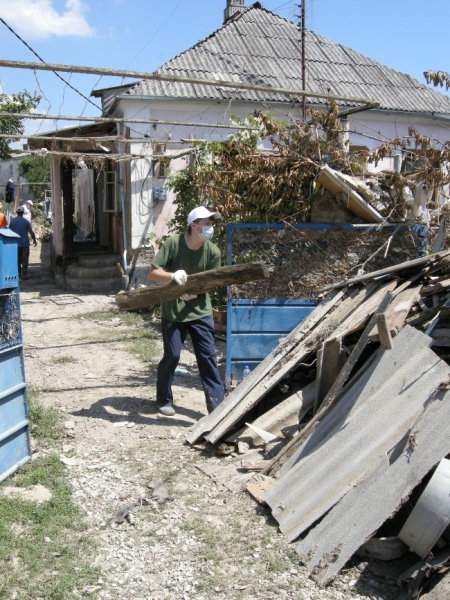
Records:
x=369, y=129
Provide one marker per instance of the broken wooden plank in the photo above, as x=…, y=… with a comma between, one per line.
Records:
x=288, y=412
x=383, y=331
x=200, y=283
x=289, y=363
x=290, y=448
x=397, y=311
x=359, y=317
x=209, y=422
x=335, y=183
x=365, y=507
x=258, y=486
x=331, y=362
x=369, y=422
x=417, y=262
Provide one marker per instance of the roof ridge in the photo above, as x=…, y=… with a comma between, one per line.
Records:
x=232, y=20
x=259, y=45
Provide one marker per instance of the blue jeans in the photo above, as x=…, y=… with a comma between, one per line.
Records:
x=202, y=336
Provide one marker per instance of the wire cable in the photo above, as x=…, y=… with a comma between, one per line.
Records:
x=154, y=35
x=281, y=6
x=43, y=61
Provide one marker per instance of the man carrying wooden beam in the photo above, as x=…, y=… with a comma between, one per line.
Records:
x=180, y=256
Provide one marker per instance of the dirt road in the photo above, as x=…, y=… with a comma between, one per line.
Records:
x=202, y=542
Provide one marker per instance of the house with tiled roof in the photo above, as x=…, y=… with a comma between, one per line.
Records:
x=257, y=47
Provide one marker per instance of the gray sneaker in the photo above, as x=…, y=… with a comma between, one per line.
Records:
x=167, y=411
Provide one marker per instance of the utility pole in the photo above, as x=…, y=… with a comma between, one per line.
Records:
x=302, y=24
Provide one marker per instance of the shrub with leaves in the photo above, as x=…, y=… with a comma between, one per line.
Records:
x=22, y=102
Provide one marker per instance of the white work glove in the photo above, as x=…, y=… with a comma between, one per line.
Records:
x=187, y=297
x=179, y=277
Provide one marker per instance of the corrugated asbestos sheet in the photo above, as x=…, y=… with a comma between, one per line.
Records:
x=261, y=47
x=370, y=419
x=364, y=509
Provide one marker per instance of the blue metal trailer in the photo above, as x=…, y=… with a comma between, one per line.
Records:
x=14, y=430
x=255, y=325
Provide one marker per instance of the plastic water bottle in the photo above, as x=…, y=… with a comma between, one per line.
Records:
x=246, y=372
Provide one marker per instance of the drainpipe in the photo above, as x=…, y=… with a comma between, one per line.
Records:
x=122, y=202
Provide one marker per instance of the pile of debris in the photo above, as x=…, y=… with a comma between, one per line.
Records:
x=43, y=233
x=345, y=425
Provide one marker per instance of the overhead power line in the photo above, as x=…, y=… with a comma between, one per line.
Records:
x=43, y=61
x=16, y=64
x=154, y=35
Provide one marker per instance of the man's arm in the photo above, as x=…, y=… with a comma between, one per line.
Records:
x=159, y=275
x=31, y=232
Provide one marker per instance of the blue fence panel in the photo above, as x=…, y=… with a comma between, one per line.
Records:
x=14, y=426
x=255, y=326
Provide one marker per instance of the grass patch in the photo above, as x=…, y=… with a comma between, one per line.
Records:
x=127, y=318
x=45, y=423
x=63, y=360
x=30, y=565
x=140, y=341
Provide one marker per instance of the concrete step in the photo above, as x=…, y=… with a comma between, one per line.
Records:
x=99, y=260
x=111, y=285
x=77, y=271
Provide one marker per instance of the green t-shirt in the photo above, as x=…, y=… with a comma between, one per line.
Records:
x=175, y=255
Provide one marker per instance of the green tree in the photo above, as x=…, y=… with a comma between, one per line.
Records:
x=36, y=170
x=22, y=102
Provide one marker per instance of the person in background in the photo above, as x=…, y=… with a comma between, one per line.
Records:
x=27, y=210
x=3, y=221
x=23, y=227
x=180, y=256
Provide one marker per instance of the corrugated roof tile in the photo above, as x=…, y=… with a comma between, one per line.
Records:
x=261, y=47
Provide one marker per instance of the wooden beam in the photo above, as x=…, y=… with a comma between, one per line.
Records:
x=20, y=64
x=410, y=264
x=258, y=375
x=397, y=311
x=332, y=395
x=383, y=332
x=199, y=283
x=290, y=362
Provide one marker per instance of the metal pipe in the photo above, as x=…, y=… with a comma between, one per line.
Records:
x=117, y=120
x=122, y=202
x=48, y=138
x=19, y=64
x=304, y=57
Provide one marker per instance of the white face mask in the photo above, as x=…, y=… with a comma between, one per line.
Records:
x=207, y=233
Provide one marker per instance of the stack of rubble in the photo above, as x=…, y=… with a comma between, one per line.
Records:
x=347, y=418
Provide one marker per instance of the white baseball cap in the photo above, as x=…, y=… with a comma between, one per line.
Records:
x=201, y=212
x=29, y=202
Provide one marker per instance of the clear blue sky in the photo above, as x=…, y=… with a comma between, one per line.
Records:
x=408, y=35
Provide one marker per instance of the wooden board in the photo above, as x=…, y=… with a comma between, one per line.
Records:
x=199, y=283
x=209, y=422
x=397, y=312
x=335, y=183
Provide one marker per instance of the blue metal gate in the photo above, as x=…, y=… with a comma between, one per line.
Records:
x=14, y=431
